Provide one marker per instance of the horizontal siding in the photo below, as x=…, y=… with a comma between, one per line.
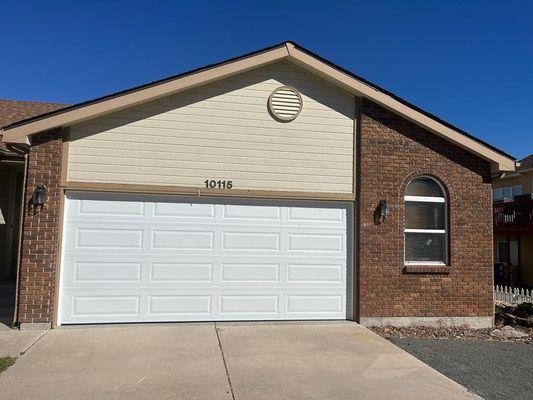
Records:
x=224, y=131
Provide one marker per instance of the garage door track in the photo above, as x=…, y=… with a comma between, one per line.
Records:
x=339, y=360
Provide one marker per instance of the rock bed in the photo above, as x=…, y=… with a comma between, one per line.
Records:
x=512, y=323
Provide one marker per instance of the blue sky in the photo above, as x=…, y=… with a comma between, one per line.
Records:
x=468, y=62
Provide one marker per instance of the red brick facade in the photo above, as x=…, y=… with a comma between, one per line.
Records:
x=392, y=151
x=40, y=231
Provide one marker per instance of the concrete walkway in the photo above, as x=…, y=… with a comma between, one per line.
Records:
x=227, y=361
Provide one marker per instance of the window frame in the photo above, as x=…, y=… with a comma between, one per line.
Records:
x=501, y=189
x=445, y=231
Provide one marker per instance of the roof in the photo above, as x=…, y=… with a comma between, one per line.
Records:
x=21, y=131
x=13, y=111
x=525, y=163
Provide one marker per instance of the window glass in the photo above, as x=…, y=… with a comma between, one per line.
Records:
x=424, y=215
x=513, y=252
x=424, y=187
x=424, y=246
x=502, y=252
x=507, y=193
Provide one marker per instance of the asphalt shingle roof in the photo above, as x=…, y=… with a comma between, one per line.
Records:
x=525, y=163
x=12, y=111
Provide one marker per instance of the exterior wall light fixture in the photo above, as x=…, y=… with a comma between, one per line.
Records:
x=39, y=195
x=383, y=211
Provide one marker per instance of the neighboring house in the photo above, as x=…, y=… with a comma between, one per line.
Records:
x=272, y=186
x=11, y=183
x=513, y=225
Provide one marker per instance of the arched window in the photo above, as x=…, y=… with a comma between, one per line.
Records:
x=426, y=222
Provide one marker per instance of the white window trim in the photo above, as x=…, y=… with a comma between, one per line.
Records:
x=425, y=230
x=429, y=199
x=433, y=263
x=425, y=199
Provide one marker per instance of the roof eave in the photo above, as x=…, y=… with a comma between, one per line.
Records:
x=19, y=133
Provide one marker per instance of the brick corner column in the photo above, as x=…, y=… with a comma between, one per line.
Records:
x=40, y=233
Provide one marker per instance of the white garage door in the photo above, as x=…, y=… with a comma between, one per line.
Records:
x=143, y=258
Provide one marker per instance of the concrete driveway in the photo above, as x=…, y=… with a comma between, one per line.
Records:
x=338, y=360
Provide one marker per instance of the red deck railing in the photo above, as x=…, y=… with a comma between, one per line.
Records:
x=514, y=217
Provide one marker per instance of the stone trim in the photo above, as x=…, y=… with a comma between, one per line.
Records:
x=401, y=322
x=426, y=269
x=37, y=326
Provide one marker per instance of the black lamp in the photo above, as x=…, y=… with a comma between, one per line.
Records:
x=383, y=210
x=39, y=195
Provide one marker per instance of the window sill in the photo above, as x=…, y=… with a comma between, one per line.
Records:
x=426, y=269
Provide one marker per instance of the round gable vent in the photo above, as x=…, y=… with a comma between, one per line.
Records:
x=285, y=103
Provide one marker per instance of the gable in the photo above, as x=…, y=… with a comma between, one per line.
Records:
x=22, y=131
x=223, y=131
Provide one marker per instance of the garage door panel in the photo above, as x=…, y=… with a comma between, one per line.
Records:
x=180, y=305
x=200, y=262
x=91, y=305
x=195, y=305
x=182, y=240
x=99, y=238
x=316, y=242
x=172, y=272
x=232, y=212
x=97, y=271
x=249, y=272
x=323, y=273
x=170, y=210
x=313, y=215
x=251, y=241
x=249, y=304
x=115, y=208
x=316, y=304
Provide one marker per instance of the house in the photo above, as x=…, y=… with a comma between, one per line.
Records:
x=513, y=225
x=11, y=180
x=272, y=186
x=11, y=187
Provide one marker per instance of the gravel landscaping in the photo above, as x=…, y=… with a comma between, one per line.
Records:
x=494, y=363
x=493, y=369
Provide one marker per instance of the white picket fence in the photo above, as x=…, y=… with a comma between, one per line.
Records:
x=513, y=295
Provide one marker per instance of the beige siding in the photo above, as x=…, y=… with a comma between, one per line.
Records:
x=224, y=131
x=525, y=179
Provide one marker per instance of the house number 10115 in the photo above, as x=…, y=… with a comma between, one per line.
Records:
x=214, y=184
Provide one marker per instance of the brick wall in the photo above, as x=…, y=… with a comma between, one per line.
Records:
x=40, y=231
x=392, y=152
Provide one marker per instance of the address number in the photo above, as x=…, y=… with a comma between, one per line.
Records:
x=214, y=184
